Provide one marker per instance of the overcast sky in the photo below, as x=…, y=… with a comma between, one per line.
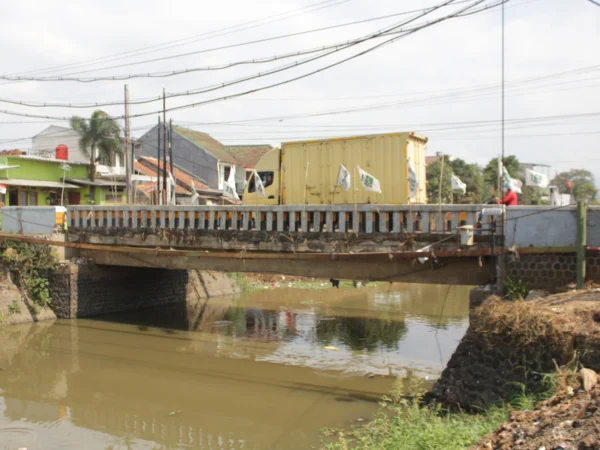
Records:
x=417, y=83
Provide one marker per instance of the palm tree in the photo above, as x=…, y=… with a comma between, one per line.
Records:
x=100, y=133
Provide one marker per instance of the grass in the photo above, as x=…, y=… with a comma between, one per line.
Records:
x=406, y=424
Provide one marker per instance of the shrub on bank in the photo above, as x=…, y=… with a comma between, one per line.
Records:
x=30, y=265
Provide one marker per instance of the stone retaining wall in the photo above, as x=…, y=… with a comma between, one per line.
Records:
x=550, y=270
x=80, y=290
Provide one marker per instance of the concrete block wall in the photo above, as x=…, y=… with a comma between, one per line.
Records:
x=550, y=270
x=88, y=290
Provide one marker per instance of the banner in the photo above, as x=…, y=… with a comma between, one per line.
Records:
x=343, y=180
x=369, y=182
x=171, y=191
x=536, y=179
x=413, y=182
x=458, y=185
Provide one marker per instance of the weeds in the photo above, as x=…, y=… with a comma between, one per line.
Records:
x=30, y=266
x=243, y=282
x=403, y=422
x=14, y=308
x=515, y=290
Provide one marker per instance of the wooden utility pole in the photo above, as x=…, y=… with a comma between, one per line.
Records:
x=164, y=147
x=158, y=193
x=128, y=157
x=581, y=241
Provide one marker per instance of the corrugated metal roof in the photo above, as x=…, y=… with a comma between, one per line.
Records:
x=99, y=183
x=207, y=143
x=248, y=155
x=37, y=183
x=51, y=160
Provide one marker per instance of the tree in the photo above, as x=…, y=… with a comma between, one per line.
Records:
x=582, y=181
x=470, y=174
x=101, y=134
x=490, y=174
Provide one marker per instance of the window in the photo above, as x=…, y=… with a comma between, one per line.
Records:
x=33, y=198
x=266, y=177
x=115, y=198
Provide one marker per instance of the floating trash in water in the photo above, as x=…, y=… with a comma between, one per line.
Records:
x=222, y=323
x=329, y=347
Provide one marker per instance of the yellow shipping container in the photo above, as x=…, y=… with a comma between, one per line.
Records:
x=307, y=172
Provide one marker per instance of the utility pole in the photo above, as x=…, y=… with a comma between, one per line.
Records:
x=581, y=242
x=171, y=144
x=128, y=157
x=158, y=193
x=164, y=146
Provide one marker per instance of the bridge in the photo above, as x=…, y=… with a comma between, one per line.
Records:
x=419, y=243
x=413, y=243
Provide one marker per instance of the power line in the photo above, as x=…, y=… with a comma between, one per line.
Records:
x=395, y=38
x=333, y=49
x=249, y=43
x=132, y=52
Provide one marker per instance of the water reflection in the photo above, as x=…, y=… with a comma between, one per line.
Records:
x=266, y=370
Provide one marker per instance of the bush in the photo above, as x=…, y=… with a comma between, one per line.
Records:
x=30, y=265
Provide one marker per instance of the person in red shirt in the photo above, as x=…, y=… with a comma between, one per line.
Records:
x=510, y=199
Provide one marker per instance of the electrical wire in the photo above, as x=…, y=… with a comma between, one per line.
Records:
x=305, y=75
x=133, y=52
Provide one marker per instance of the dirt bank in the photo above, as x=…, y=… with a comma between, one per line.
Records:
x=570, y=420
x=511, y=346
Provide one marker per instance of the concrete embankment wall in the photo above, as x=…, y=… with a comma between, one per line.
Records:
x=80, y=290
x=550, y=270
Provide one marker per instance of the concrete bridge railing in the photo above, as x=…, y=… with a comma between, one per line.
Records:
x=298, y=218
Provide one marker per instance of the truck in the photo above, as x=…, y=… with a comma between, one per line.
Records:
x=306, y=172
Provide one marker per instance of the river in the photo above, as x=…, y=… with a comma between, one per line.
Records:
x=265, y=370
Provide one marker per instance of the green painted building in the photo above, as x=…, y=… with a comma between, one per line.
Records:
x=35, y=181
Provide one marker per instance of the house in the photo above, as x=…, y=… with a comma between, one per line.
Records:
x=185, y=184
x=248, y=155
x=199, y=154
x=45, y=143
x=35, y=181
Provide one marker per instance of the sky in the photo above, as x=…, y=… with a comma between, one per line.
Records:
x=442, y=81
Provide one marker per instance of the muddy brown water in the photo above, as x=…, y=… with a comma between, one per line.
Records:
x=266, y=370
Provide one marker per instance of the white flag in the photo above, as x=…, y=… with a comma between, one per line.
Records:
x=507, y=181
x=194, y=197
x=413, y=182
x=458, y=185
x=259, y=186
x=536, y=179
x=369, y=182
x=344, y=178
x=171, y=190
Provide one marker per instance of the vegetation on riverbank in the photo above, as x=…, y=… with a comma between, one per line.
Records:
x=249, y=282
x=29, y=266
x=406, y=423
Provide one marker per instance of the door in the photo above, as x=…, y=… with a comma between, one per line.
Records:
x=74, y=198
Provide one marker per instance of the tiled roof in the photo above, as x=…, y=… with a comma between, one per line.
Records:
x=15, y=152
x=248, y=155
x=431, y=159
x=207, y=143
x=183, y=180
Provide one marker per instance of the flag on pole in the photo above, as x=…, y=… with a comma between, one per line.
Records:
x=369, y=182
x=343, y=180
x=413, y=182
x=194, y=197
x=536, y=179
x=171, y=194
x=458, y=185
x=260, y=187
x=507, y=181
